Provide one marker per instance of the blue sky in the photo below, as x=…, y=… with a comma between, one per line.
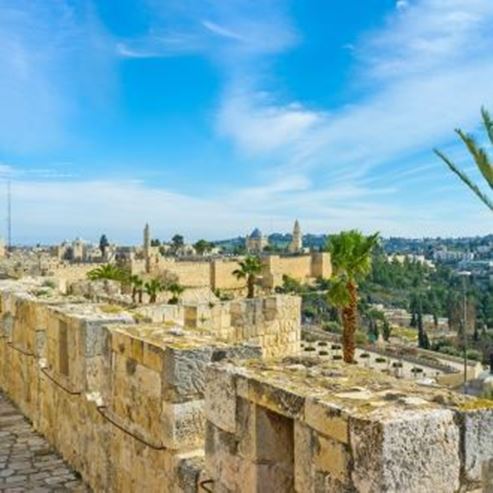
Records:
x=210, y=117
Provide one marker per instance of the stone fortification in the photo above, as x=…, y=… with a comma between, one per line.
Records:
x=298, y=426
x=218, y=274
x=122, y=401
x=137, y=406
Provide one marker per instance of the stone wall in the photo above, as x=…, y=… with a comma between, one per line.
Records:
x=272, y=322
x=301, y=427
x=218, y=274
x=121, y=401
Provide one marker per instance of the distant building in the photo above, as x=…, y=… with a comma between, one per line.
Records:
x=420, y=259
x=296, y=245
x=256, y=242
x=445, y=255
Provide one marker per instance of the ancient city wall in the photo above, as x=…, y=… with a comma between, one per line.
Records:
x=218, y=274
x=121, y=401
x=306, y=428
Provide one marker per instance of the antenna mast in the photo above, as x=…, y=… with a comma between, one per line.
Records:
x=9, y=217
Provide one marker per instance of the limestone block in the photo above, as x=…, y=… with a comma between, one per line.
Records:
x=331, y=457
x=222, y=462
x=477, y=436
x=406, y=452
x=220, y=398
x=303, y=458
x=282, y=400
x=487, y=476
x=184, y=372
x=327, y=419
x=183, y=424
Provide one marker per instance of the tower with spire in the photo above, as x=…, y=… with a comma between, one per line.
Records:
x=296, y=245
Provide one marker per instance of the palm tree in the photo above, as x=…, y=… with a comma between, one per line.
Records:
x=152, y=289
x=351, y=261
x=107, y=271
x=249, y=269
x=137, y=287
x=176, y=290
x=481, y=158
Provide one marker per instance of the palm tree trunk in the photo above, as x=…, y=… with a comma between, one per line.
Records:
x=251, y=286
x=134, y=294
x=349, y=317
x=140, y=295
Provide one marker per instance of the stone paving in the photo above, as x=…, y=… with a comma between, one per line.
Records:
x=27, y=461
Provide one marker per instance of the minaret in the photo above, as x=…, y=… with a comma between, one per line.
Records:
x=296, y=244
x=147, y=248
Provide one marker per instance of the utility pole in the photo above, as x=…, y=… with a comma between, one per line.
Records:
x=9, y=218
x=464, y=275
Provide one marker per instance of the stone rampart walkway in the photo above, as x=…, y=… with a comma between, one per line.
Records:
x=27, y=462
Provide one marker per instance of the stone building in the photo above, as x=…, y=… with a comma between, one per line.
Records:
x=256, y=242
x=296, y=245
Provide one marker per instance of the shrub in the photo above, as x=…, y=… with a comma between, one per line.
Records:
x=449, y=350
x=332, y=327
x=474, y=354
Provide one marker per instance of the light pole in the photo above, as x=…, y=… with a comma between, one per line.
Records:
x=464, y=275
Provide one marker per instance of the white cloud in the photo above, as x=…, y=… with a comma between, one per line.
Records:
x=233, y=30
x=58, y=209
x=258, y=125
x=50, y=54
x=402, y=4
x=221, y=31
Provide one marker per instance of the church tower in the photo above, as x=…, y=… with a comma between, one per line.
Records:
x=296, y=245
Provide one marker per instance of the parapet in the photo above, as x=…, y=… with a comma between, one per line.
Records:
x=305, y=427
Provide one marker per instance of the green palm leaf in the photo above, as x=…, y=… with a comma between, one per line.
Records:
x=479, y=155
x=465, y=179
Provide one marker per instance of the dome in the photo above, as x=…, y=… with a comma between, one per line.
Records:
x=256, y=234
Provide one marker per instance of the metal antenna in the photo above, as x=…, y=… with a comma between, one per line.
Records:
x=9, y=217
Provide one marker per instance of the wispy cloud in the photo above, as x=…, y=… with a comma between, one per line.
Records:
x=216, y=29
x=47, y=51
x=426, y=71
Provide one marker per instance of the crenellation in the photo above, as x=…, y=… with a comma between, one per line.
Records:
x=161, y=406
x=379, y=435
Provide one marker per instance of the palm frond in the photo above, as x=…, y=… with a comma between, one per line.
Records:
x=488, y=123
x=338, y=294
x=463, y=176
x=479, y=155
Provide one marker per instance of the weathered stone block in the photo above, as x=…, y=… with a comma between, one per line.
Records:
x=410, y=451
x=183, y=424
x=220, y=398
x=304, y=472
x=477, y=437
x=332, y=457
x=327, y=419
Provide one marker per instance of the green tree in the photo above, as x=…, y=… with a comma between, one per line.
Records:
x=176, y=290
x=386, y=330
x=351, y=254
x=481, y=158
x=203, y=246
x=249, y=269
x=152, y=289
x=423, y=341
x=108, y=271
x=177, y=242
x=103, y=244
x=155, y=242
